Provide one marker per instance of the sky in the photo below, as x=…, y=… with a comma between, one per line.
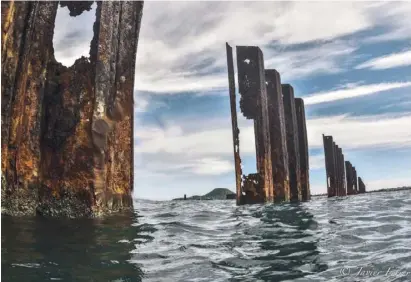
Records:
x=349, y=61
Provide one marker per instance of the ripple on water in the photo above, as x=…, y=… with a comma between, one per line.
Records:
x=217, y=241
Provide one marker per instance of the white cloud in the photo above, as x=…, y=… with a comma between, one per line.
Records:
x=352, y=91
x=361, y=132
x=389, y=61
x=72, y=35
x=182, y=51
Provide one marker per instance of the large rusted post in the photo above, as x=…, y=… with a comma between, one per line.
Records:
x=329, y=156
x=303, y=149
x=343, y=183
x=292, y=142
x=69, y=130
x=254, y=105
x=349, y=172
x=234, y=125
x=27, y=32
x=337, y=170
x=279, y=156
x=354, y=175
x=361, y=185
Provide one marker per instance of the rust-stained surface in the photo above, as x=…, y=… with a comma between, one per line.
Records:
x=254, y=105
x=278, y=138
x=234, y=125
x=292, y=142
x=361, y=186
x=303, y=149
x=330, y=168
x=67, y=132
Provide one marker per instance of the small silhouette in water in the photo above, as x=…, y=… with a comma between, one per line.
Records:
x=185, y=197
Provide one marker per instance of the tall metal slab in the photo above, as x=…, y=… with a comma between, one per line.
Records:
x=234, y=125
x=361, y=185
x=337, y=170
x=349, y=173
x=68, y=130
x=329, y=156
x=278, y=138
x=292, y=142
x=254, y=105
x=355, y=180
x=303, y=149
x=343, y=183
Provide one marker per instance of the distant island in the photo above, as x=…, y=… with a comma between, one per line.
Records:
x=215, y=194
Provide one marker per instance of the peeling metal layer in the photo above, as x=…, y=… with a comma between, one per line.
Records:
x=330, y=168
x=303, y=149
x=70, y=131
x=254, y=104
x=278, y=138
x=234, y=125
x=292, y=142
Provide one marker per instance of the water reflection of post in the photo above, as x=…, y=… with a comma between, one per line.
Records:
x=70, y=250
x=287, y=243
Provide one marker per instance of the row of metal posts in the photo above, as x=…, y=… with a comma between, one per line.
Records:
x=279, y=129
x=341, y=176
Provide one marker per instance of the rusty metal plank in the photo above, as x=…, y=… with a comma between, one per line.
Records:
x=349, y=178
x=355, y=179
x=292, y=142
x=27, y=50
x=361, y=185
x=329, y=156
x=278, y=138
x=337, y=170
x=234, y=125
x=343, y=183
x=303, y=149
x=254, y=105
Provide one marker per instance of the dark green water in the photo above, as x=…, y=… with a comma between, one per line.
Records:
x=358, y=238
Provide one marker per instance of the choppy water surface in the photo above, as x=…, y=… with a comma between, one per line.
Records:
x=357, y=238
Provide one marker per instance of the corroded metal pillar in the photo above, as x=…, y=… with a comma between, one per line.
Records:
x=278, y=139
x=234, y=125
x=337, y=170
x=330, y=163
x=349, y=172
x=355, y=178
x=27, y=32
x=361, y=185
x=292, y=142
x=343, y=183
x=68, y=130
x=303, y=149
x=254, y=105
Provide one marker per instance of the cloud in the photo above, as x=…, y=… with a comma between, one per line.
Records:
x=388, y=61
x=384, y=131
x=351, y=91
x=73, y=35
x=182, y=51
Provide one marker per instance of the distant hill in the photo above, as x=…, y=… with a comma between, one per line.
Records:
x=215, y=194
